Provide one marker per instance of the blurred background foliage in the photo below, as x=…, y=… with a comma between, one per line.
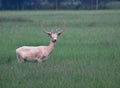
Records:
x=58, y=4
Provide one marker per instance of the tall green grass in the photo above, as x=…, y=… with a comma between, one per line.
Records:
x=87, y=54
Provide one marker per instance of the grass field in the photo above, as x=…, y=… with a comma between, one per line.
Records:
x=87, y=55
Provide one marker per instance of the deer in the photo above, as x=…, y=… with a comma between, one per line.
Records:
x=38, y=53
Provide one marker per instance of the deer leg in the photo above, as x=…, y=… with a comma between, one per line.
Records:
x=20, y=59
x=45, y=59
x=39, y=60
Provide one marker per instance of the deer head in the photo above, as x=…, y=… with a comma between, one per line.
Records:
x=53, y=36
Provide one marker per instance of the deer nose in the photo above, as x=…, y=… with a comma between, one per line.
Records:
x=54, y=40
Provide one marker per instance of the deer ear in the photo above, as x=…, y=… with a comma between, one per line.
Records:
x=49, y=33
x=59, y=33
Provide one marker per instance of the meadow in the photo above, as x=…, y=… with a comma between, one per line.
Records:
x=87, y=54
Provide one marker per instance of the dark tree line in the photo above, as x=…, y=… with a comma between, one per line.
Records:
x=53, y=4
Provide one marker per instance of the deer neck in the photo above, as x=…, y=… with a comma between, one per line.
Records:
x=51, y=46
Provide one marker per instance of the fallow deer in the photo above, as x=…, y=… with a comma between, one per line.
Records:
x=38, y=53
